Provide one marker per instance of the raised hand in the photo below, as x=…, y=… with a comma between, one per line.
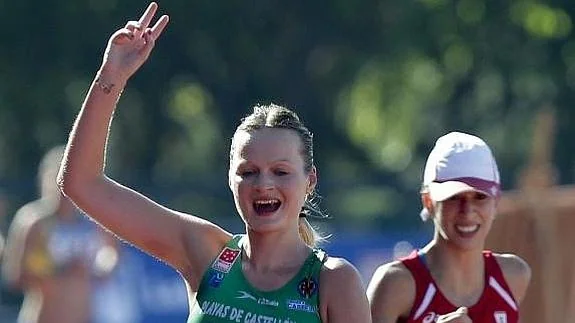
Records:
x=459, y=316
x=129, y=47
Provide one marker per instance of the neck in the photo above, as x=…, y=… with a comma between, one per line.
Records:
x=273, y=250
x=458, y=272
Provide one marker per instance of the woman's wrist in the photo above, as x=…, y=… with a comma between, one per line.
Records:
x=109, y=82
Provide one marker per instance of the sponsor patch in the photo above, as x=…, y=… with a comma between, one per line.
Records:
x=299, y=305
x=226, y=259
x=216, y=279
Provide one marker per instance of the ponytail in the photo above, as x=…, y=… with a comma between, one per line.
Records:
x=308, y=234
x=306, y=231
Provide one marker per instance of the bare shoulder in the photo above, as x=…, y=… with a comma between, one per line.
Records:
x=27, y=217
x=335, y=266
x=393, y=272
x=391, y=292
x=29, y=211
x=203, y=241
x=23, y=232
x=338, y=274
x=392, y=275
x=512, y=263
x=516, y=271
x=342, y=293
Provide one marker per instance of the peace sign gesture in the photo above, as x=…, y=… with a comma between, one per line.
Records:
x=129, y=47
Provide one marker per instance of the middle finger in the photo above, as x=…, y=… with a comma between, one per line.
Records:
x=148, y=15
x=159, y=26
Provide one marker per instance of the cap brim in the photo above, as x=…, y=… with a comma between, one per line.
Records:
x=441, y=191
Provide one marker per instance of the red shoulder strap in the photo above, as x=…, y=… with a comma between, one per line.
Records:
x=417, y=268
x=494, y=270
x=421, y=276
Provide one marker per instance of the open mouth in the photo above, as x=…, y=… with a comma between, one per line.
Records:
x=266, y=207
x=467, y=230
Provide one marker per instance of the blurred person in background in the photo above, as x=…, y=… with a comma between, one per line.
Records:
x=55, y=254
x=7, y=311
x=452, y=278
x=3, y=214
x=272, y=273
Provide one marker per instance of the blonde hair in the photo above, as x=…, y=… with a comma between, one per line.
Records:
x=309, y=234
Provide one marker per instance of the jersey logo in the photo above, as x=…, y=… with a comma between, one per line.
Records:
x=258, y=300
x=307, y=287
x=225, y=260
x=500, y=317
x=246, y=295
x=216, y=279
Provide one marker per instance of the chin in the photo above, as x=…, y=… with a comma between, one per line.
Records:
x=262, y=225
x=467, y=245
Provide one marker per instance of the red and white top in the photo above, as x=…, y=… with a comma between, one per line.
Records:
x=496, y=304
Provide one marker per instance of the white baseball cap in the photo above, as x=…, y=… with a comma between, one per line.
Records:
x=458, y=163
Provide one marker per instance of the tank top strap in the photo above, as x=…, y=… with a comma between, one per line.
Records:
x=415, y=263
x=309, y=275
x=236, y=241
x=229, y=255
x=315, y=262
x=425, y=287
x=491, y=265
x=320, y=257
x=493, y=269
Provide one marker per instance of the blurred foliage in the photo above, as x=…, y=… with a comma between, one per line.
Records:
x=377, y=82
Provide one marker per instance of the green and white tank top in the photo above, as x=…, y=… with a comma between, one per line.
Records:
x=226, y=296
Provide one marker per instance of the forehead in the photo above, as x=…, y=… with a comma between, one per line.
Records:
x=470, y=194
x=267, y=144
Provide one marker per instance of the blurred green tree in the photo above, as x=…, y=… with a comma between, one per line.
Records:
x=377, y=81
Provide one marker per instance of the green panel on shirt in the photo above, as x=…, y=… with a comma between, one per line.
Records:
x=226, y=296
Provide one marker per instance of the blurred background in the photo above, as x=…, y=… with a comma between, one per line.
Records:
x=376, y=81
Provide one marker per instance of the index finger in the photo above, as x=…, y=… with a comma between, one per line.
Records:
x=146, y=18
x=159, y=26
x=462, y=310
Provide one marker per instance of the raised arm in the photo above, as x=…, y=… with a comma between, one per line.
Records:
x=186, y=242
x=391, y=293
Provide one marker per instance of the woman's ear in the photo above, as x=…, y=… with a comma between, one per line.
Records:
x=230, y=185
x=311, y=180
x=427, y=203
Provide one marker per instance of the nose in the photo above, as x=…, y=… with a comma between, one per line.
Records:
x=464, y=205
x=264, y=182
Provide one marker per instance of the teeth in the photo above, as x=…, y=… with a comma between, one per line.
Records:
x=467, y=228
x=268, y=202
